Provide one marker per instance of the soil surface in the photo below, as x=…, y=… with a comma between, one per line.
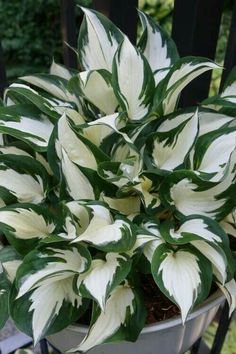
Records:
x=158, y=306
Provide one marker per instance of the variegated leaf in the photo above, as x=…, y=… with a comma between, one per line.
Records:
x=207, y=237
x=51, y=264
x=210, y=121
x=130, y=159
x=61, y=71
x=75, y=149
x=103, y=276
x=4, y=295
x=76, y=220
x=184, y=275
x=180, y=75
x=148, y=244
x=105, y=233
x=22, y=179
x=9, y=262
x=229, y=224
x=2, y=204
x=24, y=187
x=47, y=309
x=12, y=150
x=69, y=229
x=173, y=140
x=123, y=312
x=229, y=290
x=212, y=153
x=23, y=351
x=227, y=98
x=150, y=248
x=216, y=256
x=126, y=206
x=80, y=215
x=47, y=301
x=151, y=226
x=111, y=172
x=97, y=88
x=156, y=45
x=31, y=96
x=124, y=169
x=8, y=254
x=72, y=114
x=27, y=126
x=190, y=197
x=147, y=193
x=114, y=122
x=134, y=92
x=78, y=185
x=54, y=85
x=26, y=221
x=159, y=75
x=98, y=41
x=148, y=239
x=40, y=158
x=97, y=133
x=229, y=90
x=194, y=228
x=11, y=268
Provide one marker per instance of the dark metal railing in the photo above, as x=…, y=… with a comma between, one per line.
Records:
x=195, y=31
x=3, y=77
x=68, y=30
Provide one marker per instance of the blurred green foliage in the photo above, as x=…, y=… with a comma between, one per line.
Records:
x=161, y=10
x=31, y=34
x=221, y=48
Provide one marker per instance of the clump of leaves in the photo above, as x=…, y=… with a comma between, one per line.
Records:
x=100, y=171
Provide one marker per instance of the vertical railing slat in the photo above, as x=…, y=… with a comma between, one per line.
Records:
x=123, y=13
x=68, y=27
x=3, y=77
x=183, y=25
x=196, y=26
x=223, y=326
x=230, y=56
x=102, y=6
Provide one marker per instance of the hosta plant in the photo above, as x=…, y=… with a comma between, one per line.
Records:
x=103, y=178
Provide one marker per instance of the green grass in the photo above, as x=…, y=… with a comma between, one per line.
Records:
x=230, y=340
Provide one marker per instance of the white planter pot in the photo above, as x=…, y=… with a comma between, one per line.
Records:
x=165, y=337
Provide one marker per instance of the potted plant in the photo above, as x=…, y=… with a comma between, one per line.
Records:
x=112, y=196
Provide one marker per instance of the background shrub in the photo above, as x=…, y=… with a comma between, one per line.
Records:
x=31, y=34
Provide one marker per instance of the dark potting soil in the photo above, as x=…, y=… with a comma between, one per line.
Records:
x=158, y=306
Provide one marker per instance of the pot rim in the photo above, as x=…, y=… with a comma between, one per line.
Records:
x=215, y=299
